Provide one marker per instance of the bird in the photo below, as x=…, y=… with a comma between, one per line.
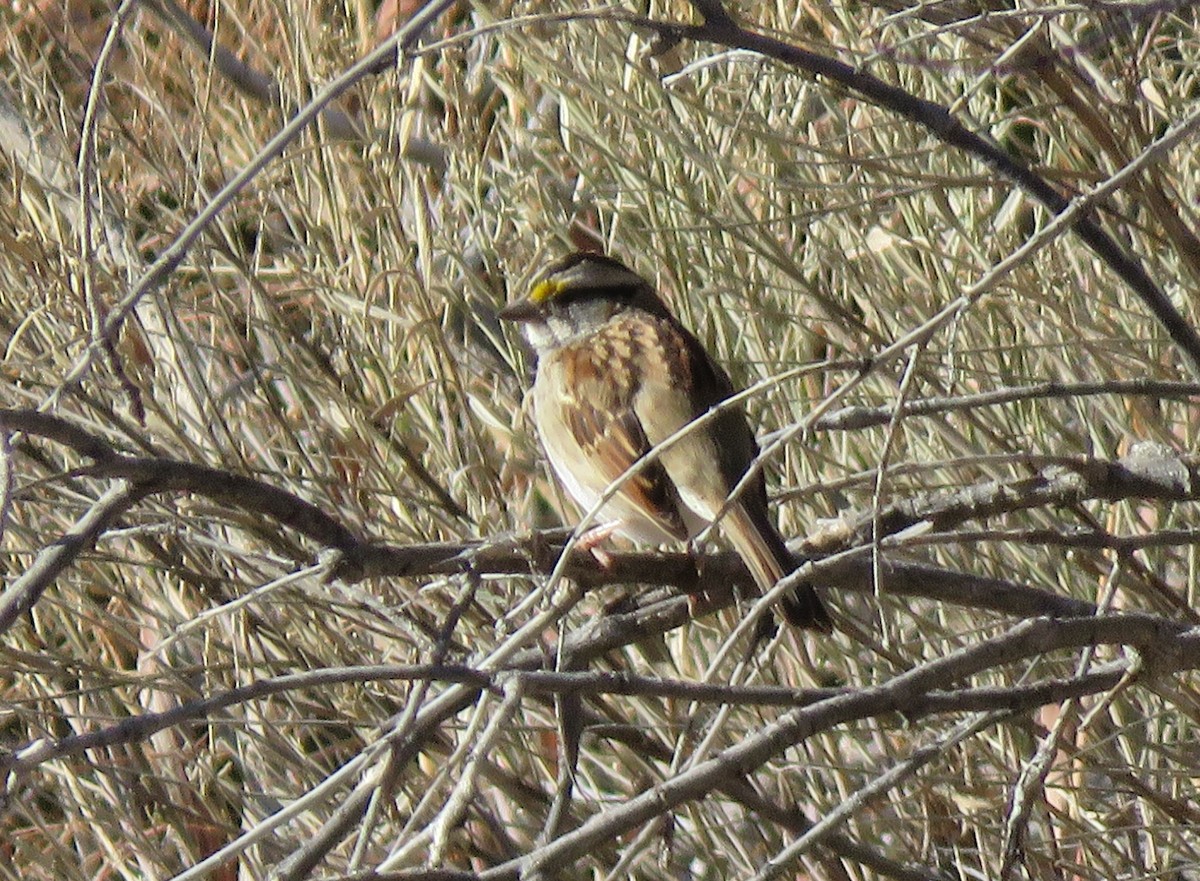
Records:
x=616, y=374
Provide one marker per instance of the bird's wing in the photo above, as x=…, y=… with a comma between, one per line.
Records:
x=604, y=423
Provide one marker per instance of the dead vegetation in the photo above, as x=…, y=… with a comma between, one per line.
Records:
x=275, y=600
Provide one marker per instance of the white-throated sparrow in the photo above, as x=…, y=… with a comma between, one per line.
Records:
x=618, y=374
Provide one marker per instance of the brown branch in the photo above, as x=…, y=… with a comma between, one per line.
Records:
x=1146, y=474
x=240, y=75
x=720, y=28
x=1089, y=539
x=265, y=89
x=843, y=846
x=1149, y=471
x=581, y=683
x=1149, y=474
x=1171, y=646
x=139, y=478
x=146, y=725
x=1168, y=647
x=914, y=704
x=873, y=790
x=159, y=474
x=407, y=875
x=57, y=429
x=253, y=496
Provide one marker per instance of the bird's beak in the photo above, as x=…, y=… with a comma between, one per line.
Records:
x=522, y=310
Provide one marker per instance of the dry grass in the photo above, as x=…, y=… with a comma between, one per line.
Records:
x=333, y=334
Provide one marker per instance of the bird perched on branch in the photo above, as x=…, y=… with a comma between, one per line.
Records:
x=617, y=374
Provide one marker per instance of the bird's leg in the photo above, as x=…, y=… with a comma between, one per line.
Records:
x=588, y=543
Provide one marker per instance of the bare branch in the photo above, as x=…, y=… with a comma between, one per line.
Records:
x=1150, y=472
x=719, y=28
x=1172, y=647
x=23, y=593
x=533, y=681
x=1145, y=473
x=857, y=418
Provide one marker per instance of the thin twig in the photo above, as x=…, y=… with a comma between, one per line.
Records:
x=22, y=595
x=1175, y=647
x=858, y=418
x=720, y=28
x=173, y=255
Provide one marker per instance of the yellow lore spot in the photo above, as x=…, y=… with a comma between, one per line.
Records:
x=545, y=290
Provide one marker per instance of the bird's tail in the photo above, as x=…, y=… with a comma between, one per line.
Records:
x=768, y=559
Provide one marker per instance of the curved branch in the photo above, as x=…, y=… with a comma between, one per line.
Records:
x=720, y=28
x=1148, y=472
x=265, y=89
x=157, y=474
x=1171, y=646
x=580, y=683
x=855, y=418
